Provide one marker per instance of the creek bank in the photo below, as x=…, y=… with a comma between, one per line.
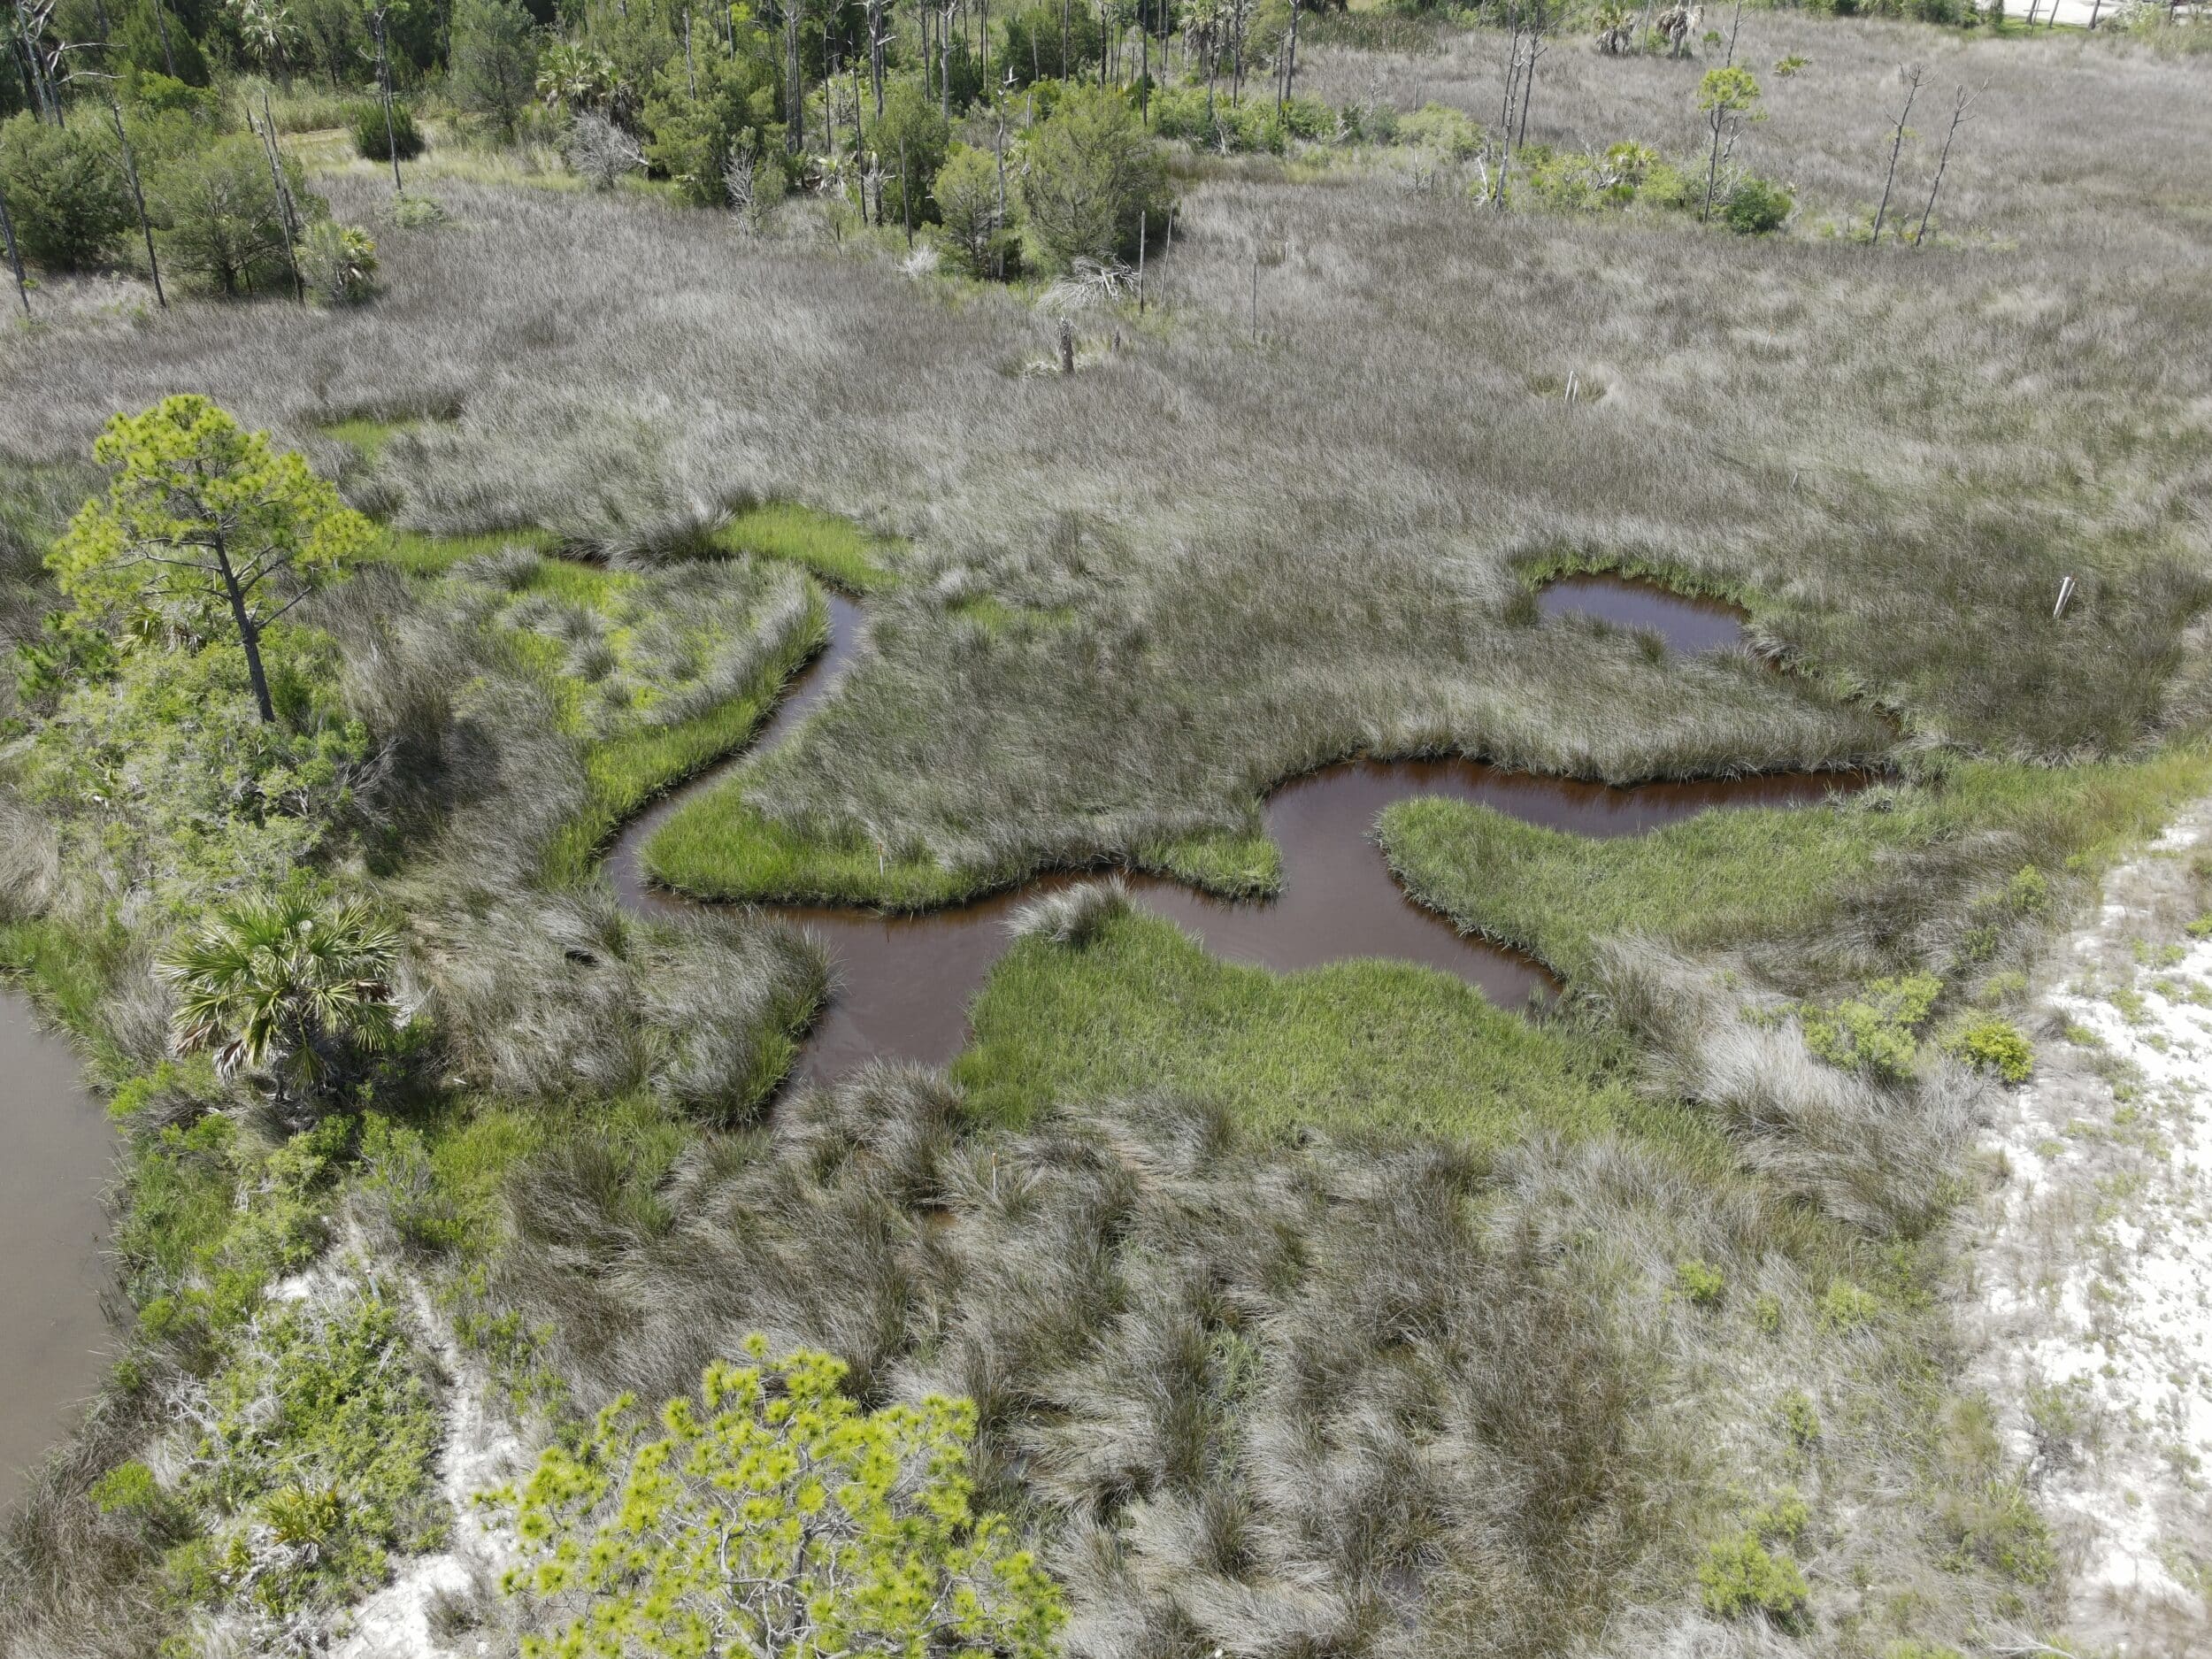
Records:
x=902, y=983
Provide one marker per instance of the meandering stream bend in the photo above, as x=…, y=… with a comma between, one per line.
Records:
x=902, y=984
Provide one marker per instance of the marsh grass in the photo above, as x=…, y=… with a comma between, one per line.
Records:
x=1364, y=1397
x=1898, y=875
x=1370, y=1342
x=624, y=772
x=1141, y=1008
x=2013, y=406
x=526, y=705
x=836, y=550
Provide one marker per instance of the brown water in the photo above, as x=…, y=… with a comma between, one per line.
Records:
x=1688, y=624
x=57, y=1148
x=902, y=984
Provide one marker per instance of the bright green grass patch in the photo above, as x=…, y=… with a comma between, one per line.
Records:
x=1726, y=877
x=623, y=773
x=420, y=555
x=1143, y=1010
x=995, y=615
x=836, y=549
x=368, y=436
x=1248, y=866
x=720, y=847
x=444, y=1181
x=65, y=970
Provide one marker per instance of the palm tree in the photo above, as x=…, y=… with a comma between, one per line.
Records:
x=285, y=986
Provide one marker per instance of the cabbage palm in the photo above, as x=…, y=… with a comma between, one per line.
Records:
x=285, y=985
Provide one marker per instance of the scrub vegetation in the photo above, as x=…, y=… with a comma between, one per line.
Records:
x=1171, y=402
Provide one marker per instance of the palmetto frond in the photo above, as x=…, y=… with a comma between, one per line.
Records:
x=263, y=985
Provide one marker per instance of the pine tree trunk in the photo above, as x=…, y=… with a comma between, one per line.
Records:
x=248, y=634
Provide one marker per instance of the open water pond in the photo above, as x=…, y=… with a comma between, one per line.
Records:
x=1689, y=625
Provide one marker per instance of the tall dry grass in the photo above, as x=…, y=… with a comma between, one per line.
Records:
x=1275, y=1398
x=1259, y=555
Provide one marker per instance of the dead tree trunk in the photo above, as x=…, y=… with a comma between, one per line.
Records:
x=138, y=201
x=285, y=216
x=875, y=50
x=1910, y=75
x=377, y=20
x=1536, y=50
x=795, y=89
x=1958, y=116
x=1505, y=108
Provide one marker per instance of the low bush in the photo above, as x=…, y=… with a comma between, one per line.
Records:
x=1739, y=1576
x=1846, y=1307
x=1995, y=1045
x=1441, y=128
x=375, y=140
x=1801, y=1419
x=338, y=263
x=1256, y=126
x=1700, y=1283
x=1757, y=206
x=1878, y=1032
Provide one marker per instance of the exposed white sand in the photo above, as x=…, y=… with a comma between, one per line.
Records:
x=2092, y=1270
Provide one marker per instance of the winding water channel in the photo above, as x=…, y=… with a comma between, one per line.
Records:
x=902, y=984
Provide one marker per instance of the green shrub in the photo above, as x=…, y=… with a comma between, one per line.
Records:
x=1438, y=128
x=1876, y=1033
x=417, y=212
x=1995, y=1045
x=130, y=1493
x=2029, y=892
x=1845, y=1307
x=911, y=138
x=1700, y=1283
x=691, y=138
x=320, y=1432
x=66, y=192
x=983, y=240
x=1740, y=1575
x=337, y=262
x=1801, y=1420
x=1785, y=1518
x=373, y=142
x=1092, y=173
x=1756, y=207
